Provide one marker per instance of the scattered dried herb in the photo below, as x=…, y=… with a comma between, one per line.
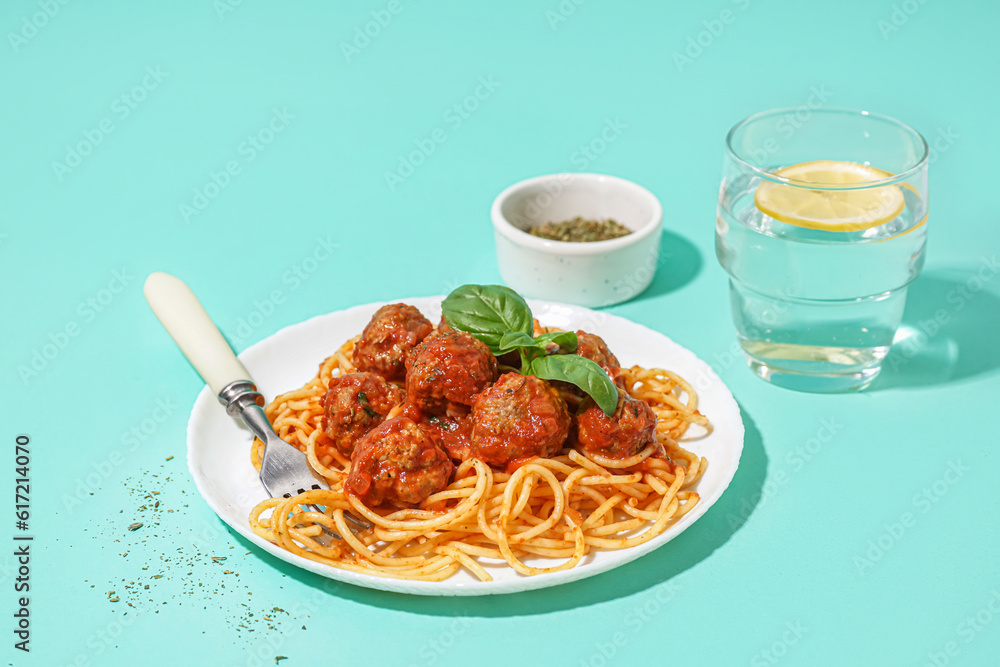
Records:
x=580, y=230
x=363, y=400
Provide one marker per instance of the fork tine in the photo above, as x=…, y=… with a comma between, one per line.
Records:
x=359, y=523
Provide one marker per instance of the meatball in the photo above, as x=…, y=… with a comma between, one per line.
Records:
x=448, y=368
x=354, y=404
x=452, y=434
x=594, y=348
x=622, y=435
x=518, y=417
x=591, y=346
x=399, y=464
x=393, y=331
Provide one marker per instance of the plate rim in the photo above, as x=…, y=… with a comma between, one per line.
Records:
x=206, y=403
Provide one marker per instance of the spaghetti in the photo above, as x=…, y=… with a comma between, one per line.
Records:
x=556, y=508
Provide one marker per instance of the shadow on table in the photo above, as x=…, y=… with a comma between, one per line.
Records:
x=694, y=545
x=678, y=263
x=949, y=330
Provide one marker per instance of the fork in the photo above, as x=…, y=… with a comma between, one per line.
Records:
x=283, y=471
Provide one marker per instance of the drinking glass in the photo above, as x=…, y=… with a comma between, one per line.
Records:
x=821, y=225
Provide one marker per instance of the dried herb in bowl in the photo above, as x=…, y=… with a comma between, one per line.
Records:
x=580, y=230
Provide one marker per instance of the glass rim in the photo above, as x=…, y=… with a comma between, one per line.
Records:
x=774, y=178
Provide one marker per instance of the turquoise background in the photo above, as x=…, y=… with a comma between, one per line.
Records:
x=844, y=538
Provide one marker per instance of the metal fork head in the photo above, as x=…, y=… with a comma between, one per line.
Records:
x=284, y=471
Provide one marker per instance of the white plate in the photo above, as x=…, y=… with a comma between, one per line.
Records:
x=218, y=446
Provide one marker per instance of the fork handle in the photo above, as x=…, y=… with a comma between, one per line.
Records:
x=185, y=319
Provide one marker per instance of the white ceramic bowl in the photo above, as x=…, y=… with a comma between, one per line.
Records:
x=598, y=273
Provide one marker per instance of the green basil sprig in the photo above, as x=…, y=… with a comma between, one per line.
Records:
x=487, y=312
x=499, y=317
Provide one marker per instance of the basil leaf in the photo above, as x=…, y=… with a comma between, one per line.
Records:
x=564, y=339
x=518, y=340
x=582, y=372
x=487, y=312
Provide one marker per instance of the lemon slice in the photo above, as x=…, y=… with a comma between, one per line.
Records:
x=831, y=209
